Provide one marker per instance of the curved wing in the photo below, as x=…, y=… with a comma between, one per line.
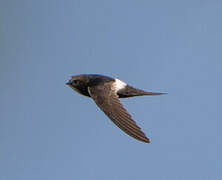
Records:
x=106, y=98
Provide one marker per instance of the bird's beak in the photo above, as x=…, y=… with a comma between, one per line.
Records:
x=68, y=83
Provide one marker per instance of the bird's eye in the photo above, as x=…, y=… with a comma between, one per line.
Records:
x=75, y=81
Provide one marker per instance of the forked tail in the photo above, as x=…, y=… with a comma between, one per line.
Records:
x=129, y=91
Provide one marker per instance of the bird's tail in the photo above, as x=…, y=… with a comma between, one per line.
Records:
x=130, y=92
x=151, y=93
x=139, y=92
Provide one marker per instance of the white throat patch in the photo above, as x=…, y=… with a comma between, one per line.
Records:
x=119, y=84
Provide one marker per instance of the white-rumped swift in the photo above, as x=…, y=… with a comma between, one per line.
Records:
x=106, y=91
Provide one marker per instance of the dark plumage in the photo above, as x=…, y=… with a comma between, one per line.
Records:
x=106, y=91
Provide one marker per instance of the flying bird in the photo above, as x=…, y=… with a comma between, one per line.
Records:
x=106, y=91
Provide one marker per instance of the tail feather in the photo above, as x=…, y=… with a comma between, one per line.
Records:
x=129, y=91
x=153, y=93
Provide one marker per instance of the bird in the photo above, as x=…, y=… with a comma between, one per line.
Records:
x=106, y=91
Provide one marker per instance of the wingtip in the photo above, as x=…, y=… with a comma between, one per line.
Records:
x=147, y=141
x=144, y=139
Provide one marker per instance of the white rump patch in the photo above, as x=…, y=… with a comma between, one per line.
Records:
x=119, y=84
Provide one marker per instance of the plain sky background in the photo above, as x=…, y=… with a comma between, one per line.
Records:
x=49, y=132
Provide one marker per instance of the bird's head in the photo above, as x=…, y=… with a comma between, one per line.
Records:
x=79, y=83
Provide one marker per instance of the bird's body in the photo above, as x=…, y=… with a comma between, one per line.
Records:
x=106, y=91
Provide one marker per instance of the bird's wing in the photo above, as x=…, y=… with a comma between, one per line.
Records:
x=106, y=98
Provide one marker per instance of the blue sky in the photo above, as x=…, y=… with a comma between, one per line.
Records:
x=47, y=131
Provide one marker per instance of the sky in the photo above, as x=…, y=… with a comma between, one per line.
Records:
x=48, y=131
